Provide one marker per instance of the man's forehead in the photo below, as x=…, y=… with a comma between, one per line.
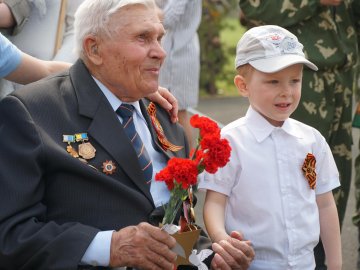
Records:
x=137, y=17
x=137, y=23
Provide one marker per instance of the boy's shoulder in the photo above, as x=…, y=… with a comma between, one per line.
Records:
x=306, y=129
x=236, y=124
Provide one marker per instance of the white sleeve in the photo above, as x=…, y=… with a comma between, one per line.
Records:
x=98, y=252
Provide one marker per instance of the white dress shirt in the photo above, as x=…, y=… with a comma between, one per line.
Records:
x=98, y=252
x=269, y=199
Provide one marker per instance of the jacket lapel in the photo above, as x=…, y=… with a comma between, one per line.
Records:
x=105, y=127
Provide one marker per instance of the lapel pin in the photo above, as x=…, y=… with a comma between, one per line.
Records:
x=108, y=167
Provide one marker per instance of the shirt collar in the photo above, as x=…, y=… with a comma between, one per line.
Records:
x=261, y=128
x=114, y=101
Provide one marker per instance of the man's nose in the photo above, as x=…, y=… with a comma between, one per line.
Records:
x=158, y=51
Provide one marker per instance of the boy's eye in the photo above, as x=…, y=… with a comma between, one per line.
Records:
x=273, y=82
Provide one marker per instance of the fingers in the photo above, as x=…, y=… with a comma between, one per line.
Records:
x=237, y=235
x=169, y=102
x=159, y=97
x=232, y=254
x=143, y=246
x=218, y=263
x=158, y=234
x=174, y=111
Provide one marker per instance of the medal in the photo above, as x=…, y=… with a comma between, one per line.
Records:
x=72, y=151
x=70, y=139
x=108, y=167
x=87, y=151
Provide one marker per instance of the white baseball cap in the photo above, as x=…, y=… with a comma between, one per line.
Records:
x=270, y=48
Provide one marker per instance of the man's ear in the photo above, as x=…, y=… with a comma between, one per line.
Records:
x=240, y=84
x=91, y=49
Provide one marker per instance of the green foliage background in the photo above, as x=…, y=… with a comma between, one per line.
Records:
x=219, y=32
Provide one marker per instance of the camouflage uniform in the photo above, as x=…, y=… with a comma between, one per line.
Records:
x=329, y=37
x=356, y=217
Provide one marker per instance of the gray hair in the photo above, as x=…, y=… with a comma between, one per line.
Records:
x=93, y=16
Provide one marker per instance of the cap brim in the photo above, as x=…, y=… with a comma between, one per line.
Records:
x=275, y=64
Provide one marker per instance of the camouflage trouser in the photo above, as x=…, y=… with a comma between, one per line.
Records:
x=326, y=104
x=356, y=216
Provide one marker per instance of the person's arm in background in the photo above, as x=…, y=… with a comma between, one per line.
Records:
x=6, y=18
x=22, y=68
x=14, y=14
x=172, y=13
x=32, y=69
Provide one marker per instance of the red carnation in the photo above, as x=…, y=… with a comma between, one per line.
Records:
x=206, y=125
x=180, y=174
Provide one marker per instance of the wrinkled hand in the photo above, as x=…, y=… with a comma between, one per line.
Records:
x=165, y=99
x=233, y=253
x=143, y=246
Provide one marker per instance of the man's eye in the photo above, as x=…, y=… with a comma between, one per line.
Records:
x=143, y=37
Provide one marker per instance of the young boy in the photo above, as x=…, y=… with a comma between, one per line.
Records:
x=277, y=187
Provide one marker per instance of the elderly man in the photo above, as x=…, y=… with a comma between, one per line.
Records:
x=74, y=193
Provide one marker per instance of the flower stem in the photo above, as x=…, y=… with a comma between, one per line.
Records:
x=173, y=206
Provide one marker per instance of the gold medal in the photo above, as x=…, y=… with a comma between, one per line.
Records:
x=72, y=151
x=87, y=151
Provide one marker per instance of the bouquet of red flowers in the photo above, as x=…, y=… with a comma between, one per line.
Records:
x=180, y=174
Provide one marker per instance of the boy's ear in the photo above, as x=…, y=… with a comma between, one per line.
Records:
x=240, y=84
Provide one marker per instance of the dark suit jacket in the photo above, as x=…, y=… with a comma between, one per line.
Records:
x=52, y=204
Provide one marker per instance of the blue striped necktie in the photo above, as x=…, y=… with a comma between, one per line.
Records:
x=126, y=112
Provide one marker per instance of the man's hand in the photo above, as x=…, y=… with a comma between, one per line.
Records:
x=233, y=253
x=165, y=99
x=143, y=246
